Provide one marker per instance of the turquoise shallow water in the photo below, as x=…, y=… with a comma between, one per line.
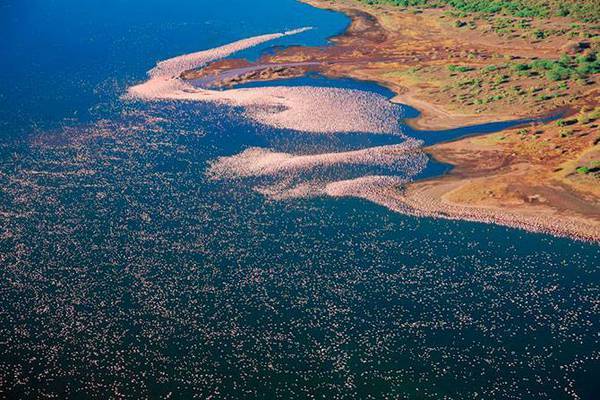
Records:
x=125, y=272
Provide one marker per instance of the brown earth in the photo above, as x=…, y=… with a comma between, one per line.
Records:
x=529, y=177
x=542, y=177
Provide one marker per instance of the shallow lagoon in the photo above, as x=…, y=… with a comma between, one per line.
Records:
x=126, y=272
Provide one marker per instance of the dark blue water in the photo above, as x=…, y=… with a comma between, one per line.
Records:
x=68, y=59
x=126, y=273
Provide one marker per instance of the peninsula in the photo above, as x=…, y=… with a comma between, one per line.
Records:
x=463, y=65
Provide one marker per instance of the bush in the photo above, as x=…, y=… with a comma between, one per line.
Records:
x=565, y=122
x=565, y=133
x=563, y=11
x=583, y=119
x=460, y=68
x=539, y=34
x=558, y=73
x=542, y=64
x=583, y=170
x=565, y=60
x=586, y=58
x=583, y=10
x=521, y=67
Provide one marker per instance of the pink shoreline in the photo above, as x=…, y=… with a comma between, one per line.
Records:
x=409, y=202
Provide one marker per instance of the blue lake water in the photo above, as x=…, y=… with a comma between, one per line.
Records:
x=125, y=272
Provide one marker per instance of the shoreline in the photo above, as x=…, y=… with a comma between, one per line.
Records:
x=428, y=198
x=431, y=116
x=433, y=197
x=384, y=46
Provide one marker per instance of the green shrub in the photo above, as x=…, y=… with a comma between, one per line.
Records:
x=565, y=60
x=539, y=34
x=565, y=133
x=521, y=67
x=583, y=170
x=558, y=73
x=586, y=58
x=582, y=10
x=542, y=64
x=566, y=122
x=583, y=118
x=460, y=68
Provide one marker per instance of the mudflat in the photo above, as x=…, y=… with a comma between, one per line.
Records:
x=464, y=70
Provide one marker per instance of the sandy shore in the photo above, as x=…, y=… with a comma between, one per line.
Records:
x=433, y=117
x=410, y=53
x=517, y=178
x=434, y=199
x=528, y=178
x=523, y=178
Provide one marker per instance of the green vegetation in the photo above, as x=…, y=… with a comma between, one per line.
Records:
x=520, y=81
x=459, y=68
x=587, y=116
x=582, y=10
x=521, y=67
x=513, y=80
x=566, y=122
x=564, y=133
x=565, y=68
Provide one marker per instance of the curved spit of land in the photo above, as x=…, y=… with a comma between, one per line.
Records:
x=261, y=72
x=311, y=109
